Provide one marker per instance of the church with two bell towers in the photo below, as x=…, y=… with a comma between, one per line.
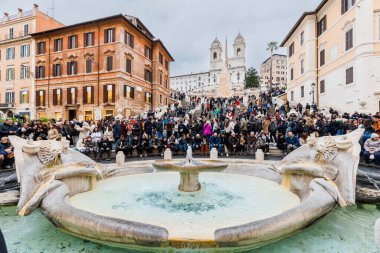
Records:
x=208, y=82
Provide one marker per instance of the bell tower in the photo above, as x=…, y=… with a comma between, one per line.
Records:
x=216, y=57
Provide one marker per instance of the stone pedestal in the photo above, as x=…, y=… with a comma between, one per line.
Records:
x=167, y=154
x=189, y=182
x=259, y=155
x=214, y=154
x=120, y=158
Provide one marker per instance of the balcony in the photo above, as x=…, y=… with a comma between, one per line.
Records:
x=14, y=36
x=7, y=106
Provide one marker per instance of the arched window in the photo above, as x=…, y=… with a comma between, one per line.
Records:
x=238, y=52
x=238, y=77
x=215, y=55
x=214, y=78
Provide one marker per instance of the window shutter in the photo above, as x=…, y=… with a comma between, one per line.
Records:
x=113, y=34
x=21, y=98
x=75, y=67
x=125, y=91
x=105, y=36
x=68, y=96
x=132, y=41
x=44, y=47
x=54, y=96
x=37, y=99
x=92, y=95
x=105, y=97
x=85, y=39
x=76, y=95
x=76, y=41
x=113, y=93
x=342, y=6
x=68, y=68
x=43, y=98
x=85, y=95
x=54, y=70
x=132, y=92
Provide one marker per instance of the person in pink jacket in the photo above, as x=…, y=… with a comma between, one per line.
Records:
x=207, y=129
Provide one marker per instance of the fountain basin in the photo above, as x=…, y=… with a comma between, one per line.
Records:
x=129, y=232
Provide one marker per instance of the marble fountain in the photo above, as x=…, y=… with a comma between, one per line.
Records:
x=174, y=205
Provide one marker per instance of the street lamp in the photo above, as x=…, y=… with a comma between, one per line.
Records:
x=312, y=92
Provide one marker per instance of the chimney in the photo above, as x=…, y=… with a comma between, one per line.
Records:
x=6, y=16
x=35, y=8
x=19, y=13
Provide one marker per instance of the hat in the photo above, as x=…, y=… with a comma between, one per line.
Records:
x=374, y=136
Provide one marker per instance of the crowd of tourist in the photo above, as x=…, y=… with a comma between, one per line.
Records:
x=234, y=126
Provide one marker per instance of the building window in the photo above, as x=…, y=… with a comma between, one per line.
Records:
x=148, y=52
x=148, y=97
x=161, y=58
x=26, y=29
x=89, y=66
x=24, y=97
x=346, y=5
x=10, y=74
x=349, y=39
x=9, y=97
x=350, y=75
x=40, y=72
x=129, y=92
x=88, y=95
x=129, y=39
x=302, y=39
x=291, y=74
x=41, y=47
x=71, y=96
x=109, y=63
x=72, y=68
x=215, y=55
x=322, y=58
x=73, y=41
x=302, y=91
x=11, y=33
x=10, y=53
x=166, y=82
x=109, y=93
x=160, y=99
x=40, y=98
x=109, y=35
x=160, y=78
x=57, y=70
x=238, y=52
x=88, y=115
x=322, y=86
x=89, y=39
x=292, y=96
x=166, y=64
x=58, y=45
x=128, y=66
x=291, y=50
x=302, y=66
x=148, y=75
x=25, y=51
x=57, y=96
x=322, y=25
x=24, y=72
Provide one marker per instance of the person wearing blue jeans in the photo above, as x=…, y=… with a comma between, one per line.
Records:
x=216, y=142
x=372, y=149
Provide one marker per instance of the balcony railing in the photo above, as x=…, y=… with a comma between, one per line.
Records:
x=7, y=105
x=14, y=36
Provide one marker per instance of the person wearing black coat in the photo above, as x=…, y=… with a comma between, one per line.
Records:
x=8, y=128
x=105, y=147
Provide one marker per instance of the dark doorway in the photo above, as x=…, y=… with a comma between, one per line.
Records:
x=72, y=114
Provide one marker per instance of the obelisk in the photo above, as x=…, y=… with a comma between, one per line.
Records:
x=225, y=87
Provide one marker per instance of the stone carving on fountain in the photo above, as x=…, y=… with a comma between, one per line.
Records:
x=330, y=161
x=45, y=165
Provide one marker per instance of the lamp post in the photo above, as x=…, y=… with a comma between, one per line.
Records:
x=312, y=93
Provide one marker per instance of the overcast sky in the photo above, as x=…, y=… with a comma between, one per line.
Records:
x=187, y=27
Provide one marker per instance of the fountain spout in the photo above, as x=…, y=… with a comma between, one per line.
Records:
x=189, y=155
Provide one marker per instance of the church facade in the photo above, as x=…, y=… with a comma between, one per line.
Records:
x=209, y=82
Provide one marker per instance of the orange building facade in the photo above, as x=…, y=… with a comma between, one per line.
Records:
x=100, y=68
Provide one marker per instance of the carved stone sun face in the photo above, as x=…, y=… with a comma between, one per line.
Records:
x=324, y=150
